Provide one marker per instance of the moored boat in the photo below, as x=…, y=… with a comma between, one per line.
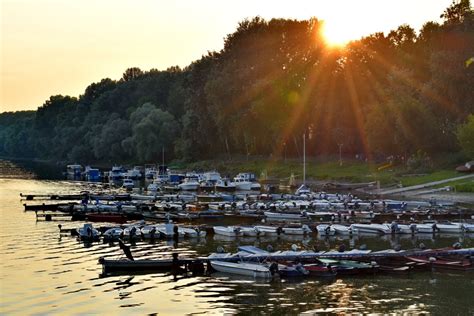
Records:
x=326, y=230
x=88, y=232
x=230, y=231
x=242, y=268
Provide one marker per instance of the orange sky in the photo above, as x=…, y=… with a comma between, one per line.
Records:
x=53, y=47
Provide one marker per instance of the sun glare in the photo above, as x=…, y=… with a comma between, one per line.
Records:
x=335, y=35
x=338, y=35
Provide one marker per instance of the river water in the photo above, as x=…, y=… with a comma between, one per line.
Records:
x=43, y=272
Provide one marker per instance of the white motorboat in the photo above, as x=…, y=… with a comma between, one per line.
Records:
x=426, y=228
x=88, y=232
x=303, y=230
x=242, y=184
x=324, y=229
x=230, y=231
x=269, y=230
x=189, y=184
x=250, y=231
x=168, y=230
x=132, y=232
x=453, y=228
x=342, y=229
x=192, y=232
x=406, y=229
x=371, y=228
x=225, y=185
x=242, y=268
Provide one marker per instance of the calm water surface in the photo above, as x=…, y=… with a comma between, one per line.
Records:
x=42, y=272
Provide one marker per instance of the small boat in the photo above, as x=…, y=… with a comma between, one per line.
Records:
x=269, y=230
x=320, y=270
x=250, y=231
x=371, y=228
x=326, y=230
x=189, y=184
x=351, y=267
x=225, y=185
x=192, y=232
x=342, y=229
x=403, y=229
x=443, y=264
x=169, y=230
x=88, y=232
x=292, y=271
x=453, y=228
x=132, y=232
x=230, y=231
x=426, y=228
x=242, y=184
x=113, y=233
x=242, y=268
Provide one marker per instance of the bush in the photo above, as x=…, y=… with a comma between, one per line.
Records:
x=420, y=162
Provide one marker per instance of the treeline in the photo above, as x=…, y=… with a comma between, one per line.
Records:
x=273, y=81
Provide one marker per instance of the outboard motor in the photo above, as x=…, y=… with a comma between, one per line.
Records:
x=394, y=227
x=273, y=268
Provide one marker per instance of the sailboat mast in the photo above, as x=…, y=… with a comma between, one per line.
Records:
x=304, y=158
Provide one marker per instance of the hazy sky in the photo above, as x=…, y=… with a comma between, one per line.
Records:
x=53, y=47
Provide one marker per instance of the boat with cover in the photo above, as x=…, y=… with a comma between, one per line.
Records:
x=242, y=268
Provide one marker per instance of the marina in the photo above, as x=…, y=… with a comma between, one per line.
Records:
x=171, y=244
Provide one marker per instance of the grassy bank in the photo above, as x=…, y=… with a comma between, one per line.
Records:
x=349, y=171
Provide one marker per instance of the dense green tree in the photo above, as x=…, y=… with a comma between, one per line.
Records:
x=465, y=135
x=273, y=81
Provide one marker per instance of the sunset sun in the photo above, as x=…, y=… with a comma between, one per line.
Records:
x=336, y=35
